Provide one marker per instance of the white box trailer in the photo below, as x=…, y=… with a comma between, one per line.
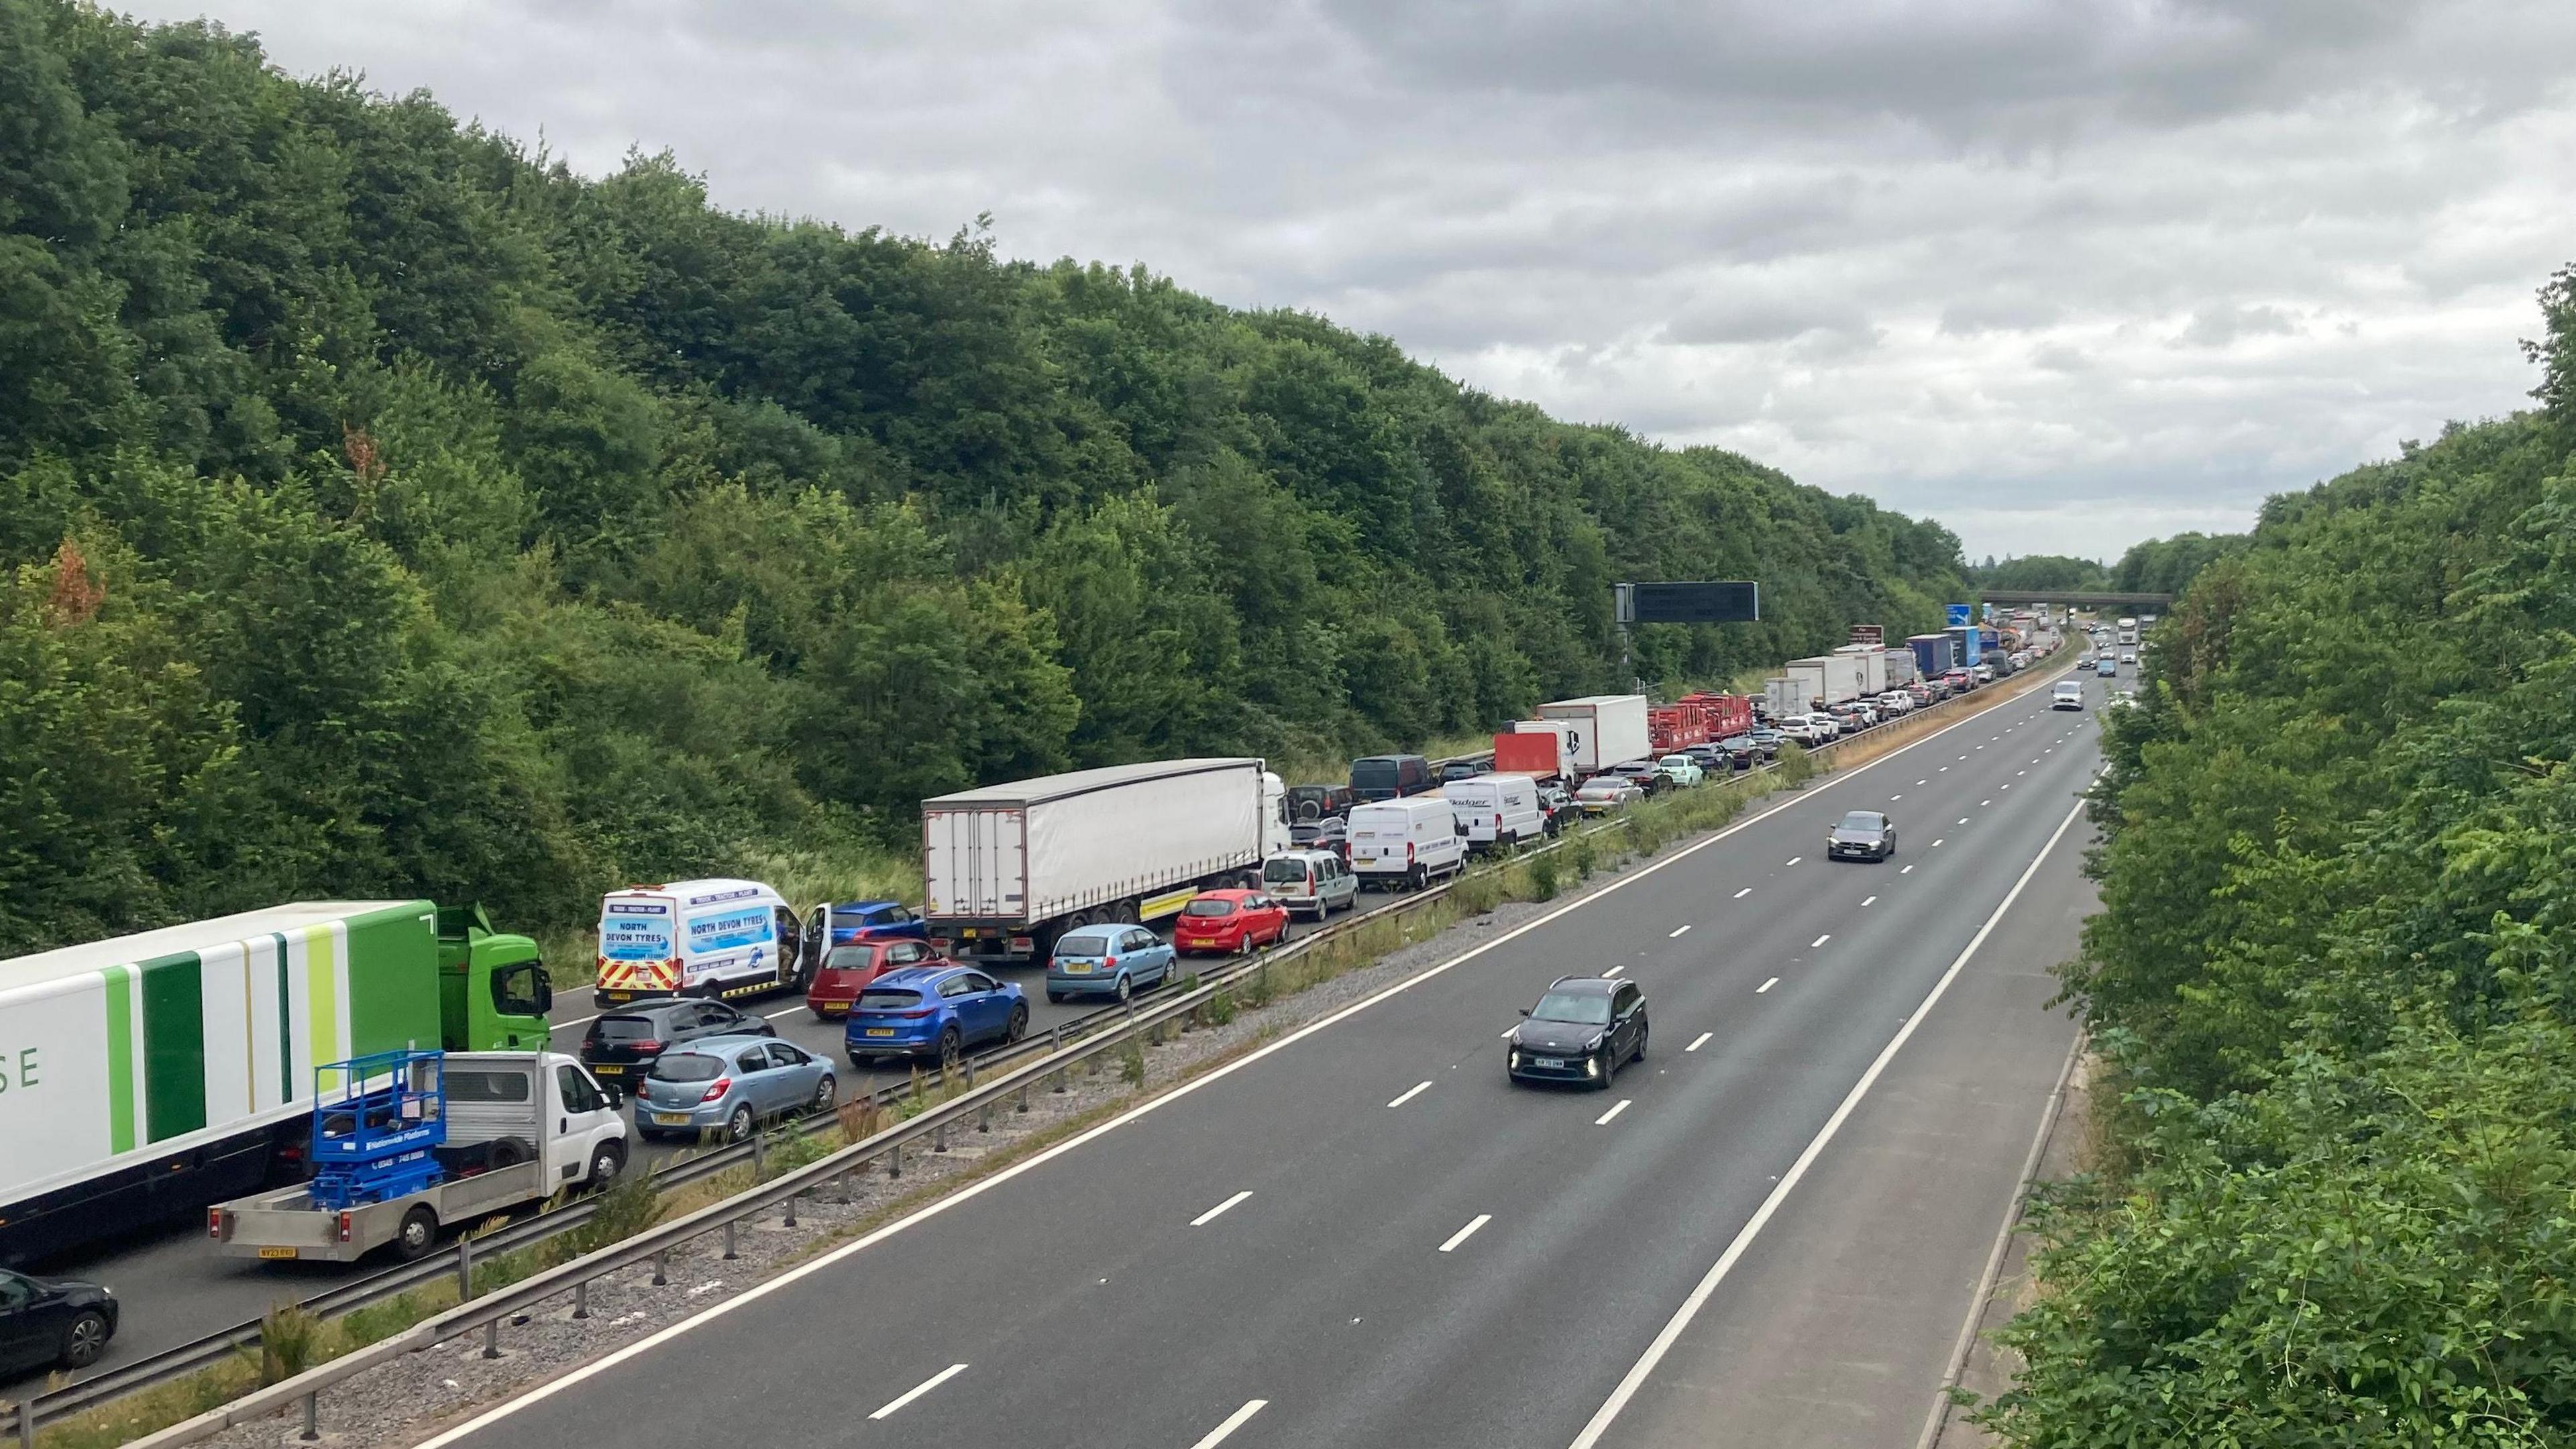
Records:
x=1873, y=666
x=1609, y=729
x=1783, y=696
x=1901, y=670
x=1007, y=868
x=1830, y=678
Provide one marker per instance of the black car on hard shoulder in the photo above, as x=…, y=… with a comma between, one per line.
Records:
x=1582, y=1030
x=52, y=1322
x=622, y=1045
x=1861, y=835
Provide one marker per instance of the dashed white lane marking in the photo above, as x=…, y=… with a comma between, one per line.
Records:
x=1909, y=870
x=1765, y=986
x=1615, y=970
x=1469, y=1231
x=1604, y=1119
x=1820, y=940
x=1869, y=899
x=1922, y=782
x=1982, y=804
x=774, y=1015
x=1936, y=845
x=1212, y=1214
x=1416, y=1090
x=919, y=1389
x=1702, y=1039
x=1963, y=819
x=1232, y=1422
x=1793, y=860
x=1677, y=932
x=1748, y=890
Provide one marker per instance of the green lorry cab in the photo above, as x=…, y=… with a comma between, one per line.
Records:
x=147, y=1077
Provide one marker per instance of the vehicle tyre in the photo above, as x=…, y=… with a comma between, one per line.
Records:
x=818, y=1016
x=1125, y=987
x=1642, y=1030
x=85, y=1339
x=1609, y=1070
x=606, y=1161
x=1418, y=878
x=1055, y=998
x=508, y=1152
x=858, y=1063
x=952, y=1043
x=827, y=1093
x=416, y=1234
x=738, y=1126
x=1018, y=1025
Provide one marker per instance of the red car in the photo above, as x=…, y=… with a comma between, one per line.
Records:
x=847, y=970
x=1229, y=922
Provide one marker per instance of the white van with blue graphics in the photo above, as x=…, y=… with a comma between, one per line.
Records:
x=698, y=938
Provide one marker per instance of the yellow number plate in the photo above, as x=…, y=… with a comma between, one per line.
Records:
x=880, y=1031
x=277, y=1252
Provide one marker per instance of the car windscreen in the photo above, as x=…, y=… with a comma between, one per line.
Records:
x=1284, y=872
x=1581, y=1008
x=850, y=958
x=625, y=1028
x=1860, y=820
x=1083, y=943
x=890, y=999
x=1205, y=907
x=687, y=1067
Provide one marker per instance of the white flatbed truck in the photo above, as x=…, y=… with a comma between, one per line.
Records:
x=520, y=1127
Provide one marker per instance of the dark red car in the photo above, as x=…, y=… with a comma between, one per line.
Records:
x=1229, y=922
x=847, y=970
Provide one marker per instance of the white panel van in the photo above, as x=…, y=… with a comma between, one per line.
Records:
x=1411, y=841
x=1499, y=809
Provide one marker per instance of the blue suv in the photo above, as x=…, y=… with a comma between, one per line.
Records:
x=937, y=1012
x=856, y=921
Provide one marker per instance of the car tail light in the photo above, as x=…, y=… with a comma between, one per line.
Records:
x=1111, y=963
x=716, y=1089
x=1408, y=850
x=215, y=1224
x=347, y=1225
x=916, y=1015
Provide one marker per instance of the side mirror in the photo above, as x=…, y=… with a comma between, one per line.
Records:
x=1525, y=1011
x=545, y=996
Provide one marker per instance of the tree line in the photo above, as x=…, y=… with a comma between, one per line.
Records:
x=2333, y=980
x=386, y=508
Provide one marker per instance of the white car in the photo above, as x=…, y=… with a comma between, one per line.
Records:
x=1896, y=701
x=1812, y=729
x=2128, y=656
x=2069, y=694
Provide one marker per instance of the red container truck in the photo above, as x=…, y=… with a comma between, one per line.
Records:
x=1725, y=714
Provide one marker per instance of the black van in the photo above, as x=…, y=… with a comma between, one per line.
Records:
x=1386, y=777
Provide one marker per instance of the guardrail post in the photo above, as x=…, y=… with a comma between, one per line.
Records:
x=730, y=1223
x=894, y=1162
x=662, y=1269
x=759, y=1155
x=492, y=1339
x=983, y=1116
x=581, y=1299
x=1024, y=1097
x=791, y=1208
x=970, y=1073
x=312, y=1413
x=27, y=1422
x=464, y=1268
x=939, y=1138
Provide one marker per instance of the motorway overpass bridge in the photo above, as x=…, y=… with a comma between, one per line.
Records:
x=2078, y=598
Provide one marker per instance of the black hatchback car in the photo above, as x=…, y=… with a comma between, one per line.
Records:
x=1862, y=835
x=1582, y=1030
x=52, y=1323
x=622, y=1045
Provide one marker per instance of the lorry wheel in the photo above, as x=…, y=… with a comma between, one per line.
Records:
x=606, y=1161
x=738, y=1126
x=417, y=1235
x=85, y=1340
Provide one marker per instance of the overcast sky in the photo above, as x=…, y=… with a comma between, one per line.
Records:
x=2062, y=273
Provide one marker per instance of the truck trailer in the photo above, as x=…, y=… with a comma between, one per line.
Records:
x=1008, y=868
x=1609, y=729
x=1934, y=654
x=1873, y=667
x=152, y=1075
x=1831, y=678
x=1535, y=747
x=1785, y=695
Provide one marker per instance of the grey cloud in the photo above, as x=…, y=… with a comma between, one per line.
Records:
x=2219, y=326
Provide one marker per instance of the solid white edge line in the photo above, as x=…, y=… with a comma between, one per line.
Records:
x=1765, y=986
x=978, y=1188
x=1416, y=1090
x=1604, y=1119
x=919, y=1389
x=1232, y=1422
x=1212, y=1214
x=1703, y=1038
x=1469, y=1231
x=1699, y=1296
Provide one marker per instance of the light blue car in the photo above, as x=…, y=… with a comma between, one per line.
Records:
x=1110, y=960
x=729, y=1085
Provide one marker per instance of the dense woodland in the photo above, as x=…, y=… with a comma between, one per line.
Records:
x=386, y=508
x=2334, y=978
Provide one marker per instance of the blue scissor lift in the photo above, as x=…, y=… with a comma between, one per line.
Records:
x=376, y=1122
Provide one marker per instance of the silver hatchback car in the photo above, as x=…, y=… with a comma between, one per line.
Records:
x=1310, y=882
x=729, y=1085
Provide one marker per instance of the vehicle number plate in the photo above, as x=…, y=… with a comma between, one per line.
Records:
x=671, y=1119
x=278, y=1252
x=1077, y=968
x=1548, y=1061
x=607, y=1071
x=880, y=1031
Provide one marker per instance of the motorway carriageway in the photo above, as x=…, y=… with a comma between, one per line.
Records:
x=1360, y=1234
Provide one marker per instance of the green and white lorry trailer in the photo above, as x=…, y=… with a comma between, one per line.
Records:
x=146, y=1078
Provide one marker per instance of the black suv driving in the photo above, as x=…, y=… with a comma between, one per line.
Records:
x=622, y=1045
x=1580, y=1031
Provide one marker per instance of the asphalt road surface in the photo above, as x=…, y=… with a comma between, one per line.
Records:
x=1362, y=1235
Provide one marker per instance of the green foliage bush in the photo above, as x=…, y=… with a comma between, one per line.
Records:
x=387, y=510
x=2333, y=981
